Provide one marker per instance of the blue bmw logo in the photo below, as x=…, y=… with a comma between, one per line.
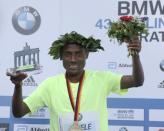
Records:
x=26, y=20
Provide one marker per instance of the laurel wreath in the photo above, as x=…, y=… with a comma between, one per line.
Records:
x=91, y=44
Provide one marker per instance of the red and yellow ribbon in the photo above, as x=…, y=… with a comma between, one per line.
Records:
x=76, y=108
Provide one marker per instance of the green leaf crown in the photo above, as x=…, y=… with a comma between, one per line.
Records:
x=91, y=44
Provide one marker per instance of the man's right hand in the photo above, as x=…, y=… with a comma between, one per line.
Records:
x=17, y=77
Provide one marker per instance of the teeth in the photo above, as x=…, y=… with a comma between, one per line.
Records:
x=73, y=66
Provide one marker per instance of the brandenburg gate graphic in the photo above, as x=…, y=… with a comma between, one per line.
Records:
x=27, y=59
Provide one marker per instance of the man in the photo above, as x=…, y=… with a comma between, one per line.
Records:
x=77, y=98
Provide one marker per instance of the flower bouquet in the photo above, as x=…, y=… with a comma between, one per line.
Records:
x=126, y=28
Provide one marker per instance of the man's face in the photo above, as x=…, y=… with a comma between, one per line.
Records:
x=74, y=57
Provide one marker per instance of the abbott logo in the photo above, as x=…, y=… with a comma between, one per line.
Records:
x=26, y=20
x=112, y=65
x=22, y=128
x=39, y=129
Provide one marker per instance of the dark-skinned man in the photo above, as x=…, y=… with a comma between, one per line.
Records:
x=77, y=98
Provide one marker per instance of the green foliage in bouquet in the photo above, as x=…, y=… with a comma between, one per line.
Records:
x=127, y=27
x=93, y=45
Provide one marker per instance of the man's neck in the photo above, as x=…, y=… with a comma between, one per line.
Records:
x=74, y=78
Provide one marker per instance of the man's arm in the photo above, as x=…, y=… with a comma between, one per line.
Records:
x=137, y=77
x=19, y=108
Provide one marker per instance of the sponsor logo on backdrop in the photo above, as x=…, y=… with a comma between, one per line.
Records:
x=125, y=114
x=22, y=128
x=112, y=65
x=115, y=65
x=123, y=129
x=4, y=127
x=161, y=84
x=162, y=65
x=126, y=128
x=26, y=20
x=42, y=113
x=124, y=65
x=31, y=127
x=29, y=81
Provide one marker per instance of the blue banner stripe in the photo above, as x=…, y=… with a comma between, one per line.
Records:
x=135, y=103
x=5, y=100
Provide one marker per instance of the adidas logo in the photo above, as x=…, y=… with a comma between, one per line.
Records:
x=30, y=82
x=161, y=84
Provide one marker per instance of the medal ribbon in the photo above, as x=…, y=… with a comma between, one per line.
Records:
x=76, y=107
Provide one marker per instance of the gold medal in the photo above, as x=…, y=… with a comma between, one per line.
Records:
x=75, y=127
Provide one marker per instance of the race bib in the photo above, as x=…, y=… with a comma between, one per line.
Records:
x=88, y=121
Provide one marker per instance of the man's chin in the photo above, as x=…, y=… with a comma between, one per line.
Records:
x=73, y=72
